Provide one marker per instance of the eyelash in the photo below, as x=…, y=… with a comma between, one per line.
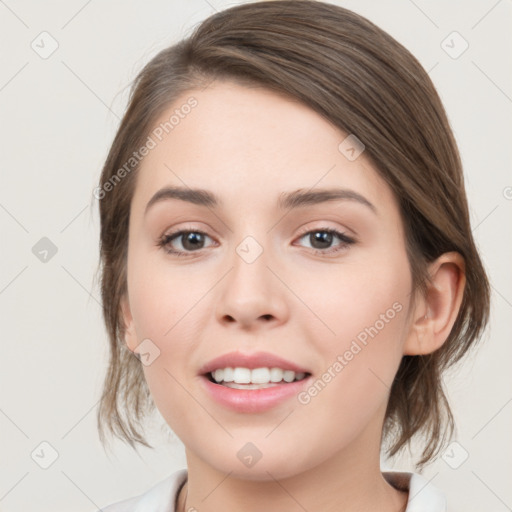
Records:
x=165, y=240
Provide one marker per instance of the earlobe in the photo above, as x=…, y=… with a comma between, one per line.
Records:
x=436, y=311
x=130, y=337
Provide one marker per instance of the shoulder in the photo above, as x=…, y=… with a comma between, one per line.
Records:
x=423, y=496
x=159, y=498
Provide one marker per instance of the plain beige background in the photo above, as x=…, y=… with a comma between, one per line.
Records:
x=58, y=115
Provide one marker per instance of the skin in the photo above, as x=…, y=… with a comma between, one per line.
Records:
x=248, y=145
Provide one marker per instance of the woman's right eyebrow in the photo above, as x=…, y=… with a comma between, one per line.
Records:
x=191, y=195
x=287, y=200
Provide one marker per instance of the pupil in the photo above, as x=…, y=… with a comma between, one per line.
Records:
x=321, y=237
x=192, y=239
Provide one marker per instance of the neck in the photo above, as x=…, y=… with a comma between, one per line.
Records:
x=349, y=480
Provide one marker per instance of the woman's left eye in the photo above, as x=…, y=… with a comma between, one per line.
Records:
x=191, y=241
x=321, y=240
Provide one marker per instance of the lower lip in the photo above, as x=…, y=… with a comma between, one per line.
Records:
x=253, y=400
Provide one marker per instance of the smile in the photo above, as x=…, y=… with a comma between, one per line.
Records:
x=252, y=382
x=257, y=378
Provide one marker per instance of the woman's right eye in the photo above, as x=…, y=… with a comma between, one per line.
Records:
x=189, y=240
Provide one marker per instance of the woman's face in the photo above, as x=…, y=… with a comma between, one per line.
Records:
x=260, y=279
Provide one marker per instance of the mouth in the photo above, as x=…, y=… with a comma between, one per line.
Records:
x=254, y=378
x=252, y=382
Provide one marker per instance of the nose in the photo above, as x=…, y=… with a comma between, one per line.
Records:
x=251, y=295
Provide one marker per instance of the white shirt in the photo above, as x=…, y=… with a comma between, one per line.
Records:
x=423, y=496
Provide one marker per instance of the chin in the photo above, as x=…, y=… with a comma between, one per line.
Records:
x=248, y=462
x=261, y=472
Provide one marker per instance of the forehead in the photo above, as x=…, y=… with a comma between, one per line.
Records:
x=248, y=145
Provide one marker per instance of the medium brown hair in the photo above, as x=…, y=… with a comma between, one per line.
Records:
x=363, y=81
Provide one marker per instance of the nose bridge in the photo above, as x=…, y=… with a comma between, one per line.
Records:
x=251, y=291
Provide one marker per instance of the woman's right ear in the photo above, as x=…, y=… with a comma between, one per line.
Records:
x=130, y=336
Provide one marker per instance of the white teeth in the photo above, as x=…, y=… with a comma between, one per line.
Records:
x=255, y=376
x=260, y=376
x=228, y=374
x=247, y=386
x=276, y=375
x=242, y=376
x=288, y=376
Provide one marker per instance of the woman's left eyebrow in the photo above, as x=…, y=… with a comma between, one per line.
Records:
x=287, y=200
x=301, y=197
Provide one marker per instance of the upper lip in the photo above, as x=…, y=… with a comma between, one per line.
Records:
x=251, y=361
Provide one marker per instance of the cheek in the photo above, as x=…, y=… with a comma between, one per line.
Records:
x=165, y=307
x=350, y=394
x=358, y=301
x=163, y=314
x=161, y=296
x=366, y=310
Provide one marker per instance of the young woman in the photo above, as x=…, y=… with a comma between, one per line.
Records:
x=287, y=264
